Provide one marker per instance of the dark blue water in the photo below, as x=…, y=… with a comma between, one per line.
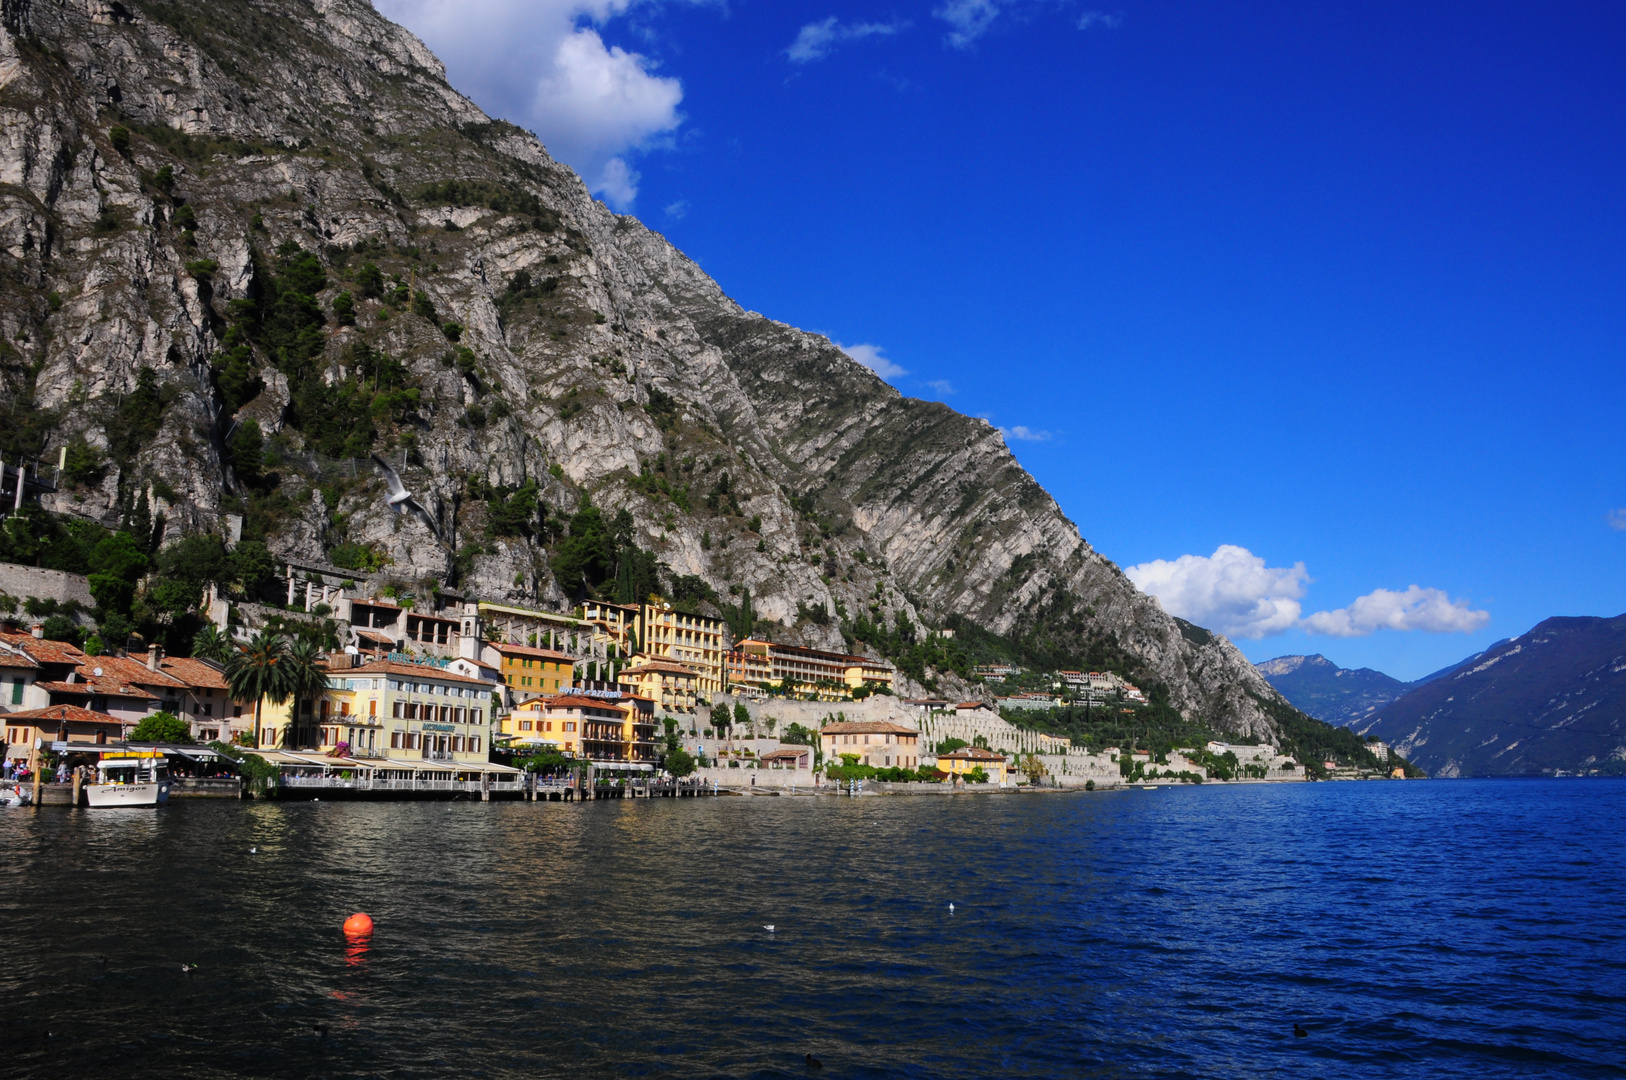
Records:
x=1436, y=929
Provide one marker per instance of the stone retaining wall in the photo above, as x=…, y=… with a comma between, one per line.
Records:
x=25, y=581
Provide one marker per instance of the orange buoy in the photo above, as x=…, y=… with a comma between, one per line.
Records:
x=358, y=925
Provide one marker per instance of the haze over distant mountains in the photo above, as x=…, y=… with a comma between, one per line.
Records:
x=1328, y=692
x=1551, y=702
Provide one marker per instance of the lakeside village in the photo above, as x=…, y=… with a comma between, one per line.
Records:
x=489, y=700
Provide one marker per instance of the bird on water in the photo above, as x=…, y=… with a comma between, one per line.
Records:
x=320, y=1030
x=951, y=907
x=768, y=927
x=1300, y=1032
x=187, y=969
x=814, y=1063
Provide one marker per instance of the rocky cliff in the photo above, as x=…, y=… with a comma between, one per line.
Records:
x=250, y=243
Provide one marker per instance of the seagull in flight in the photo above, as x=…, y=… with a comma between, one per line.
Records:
x=400, y=500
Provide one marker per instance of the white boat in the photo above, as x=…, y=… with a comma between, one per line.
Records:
x=130, y=778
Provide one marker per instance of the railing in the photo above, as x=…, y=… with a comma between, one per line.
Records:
x=369, y=784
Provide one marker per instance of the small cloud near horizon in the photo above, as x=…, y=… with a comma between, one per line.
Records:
x=942, y=386
x=871, y=356
x=677, y=211
x=1617, y=520
x=1023, y=433
x=1099, y=18
x=817, y=40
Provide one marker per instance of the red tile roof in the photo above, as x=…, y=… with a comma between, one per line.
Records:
x=533, y=652
x=196, y=674
x=413, y=671
x=71, y=713
x=661, y=667
x=570, y=701
x=14, y=657
x=44, y=650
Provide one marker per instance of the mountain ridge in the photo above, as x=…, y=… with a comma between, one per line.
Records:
x=304, y=226
x=1549, y=702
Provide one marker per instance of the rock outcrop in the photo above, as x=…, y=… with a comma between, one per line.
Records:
x=162, y=167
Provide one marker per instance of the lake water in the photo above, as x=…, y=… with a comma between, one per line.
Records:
x=1436, y=929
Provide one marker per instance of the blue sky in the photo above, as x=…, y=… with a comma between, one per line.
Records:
x=1293, y=307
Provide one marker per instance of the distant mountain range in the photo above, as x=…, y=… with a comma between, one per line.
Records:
x=1551, y=702
x=1322, y=689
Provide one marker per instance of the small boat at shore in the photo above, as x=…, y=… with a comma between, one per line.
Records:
x=129, y=778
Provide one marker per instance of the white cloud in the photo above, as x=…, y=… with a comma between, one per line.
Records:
x=942, y=386
x=870, y=356
x=1430, y=610
x=678, y=211
x=1099, y=18
x=1617, y=519
x=542, y=64
x=816, y=40
x=1022, y=433
x=1232, y=590
x=967, y=19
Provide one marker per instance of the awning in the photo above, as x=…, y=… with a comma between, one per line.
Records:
x=323, y=761
x=623, y=766
x=419, y=765
x=486, y=767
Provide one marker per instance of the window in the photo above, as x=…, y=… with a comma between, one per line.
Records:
x=570, y=725
x=372, y=707
x=525, y=725
x=17, y=691
x=236, y=711
x=208, y=710
x=474, y=716
x=398, y=713
x=474, y=744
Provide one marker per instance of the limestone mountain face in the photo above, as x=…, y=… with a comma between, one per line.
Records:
x=165, y=166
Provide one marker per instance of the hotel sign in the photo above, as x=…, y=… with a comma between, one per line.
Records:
x=611, y=695
x=439, y=727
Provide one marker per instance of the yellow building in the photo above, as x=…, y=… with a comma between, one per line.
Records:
x=880, y=744
x=830, y=676
x=962, y=761
x=664, y=633
x=597, y=728
x=670, y=686
x=695, y=641
x=387, y=709
x=530, y=672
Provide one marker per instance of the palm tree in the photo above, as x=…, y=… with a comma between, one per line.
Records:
x=307, y=675
x=210, y=643
x=260, y=670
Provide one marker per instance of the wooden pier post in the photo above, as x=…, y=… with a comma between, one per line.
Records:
x=78, y=783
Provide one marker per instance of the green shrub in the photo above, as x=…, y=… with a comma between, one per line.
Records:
x=162, y=727
x=202, y=269
x=119, y=136
x=62, y=628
